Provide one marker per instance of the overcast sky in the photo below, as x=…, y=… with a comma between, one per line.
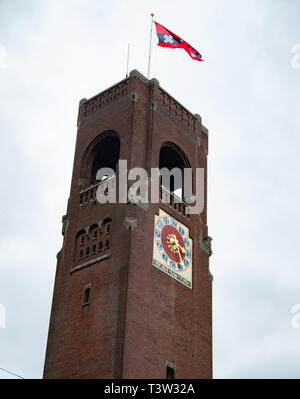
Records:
x=53, y=53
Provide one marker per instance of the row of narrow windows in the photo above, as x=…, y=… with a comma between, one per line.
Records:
x=95, y=234
x=94, y=249
x=95, y=241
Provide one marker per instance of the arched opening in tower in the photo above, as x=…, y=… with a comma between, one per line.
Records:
x=175, y=161
x=105, y=154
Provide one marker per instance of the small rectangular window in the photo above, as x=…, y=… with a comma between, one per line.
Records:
x=170, y=373
x=87, y=294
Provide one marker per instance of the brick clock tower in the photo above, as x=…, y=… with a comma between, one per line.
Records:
x=133, y=291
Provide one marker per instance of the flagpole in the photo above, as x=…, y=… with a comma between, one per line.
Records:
x=127, y=61
x=149, y=60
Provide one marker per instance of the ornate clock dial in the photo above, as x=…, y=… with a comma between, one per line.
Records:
x=173, y=243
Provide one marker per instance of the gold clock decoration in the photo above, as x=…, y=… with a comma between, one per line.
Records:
x=173, y=248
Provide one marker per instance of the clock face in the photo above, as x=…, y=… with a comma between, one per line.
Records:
x=172, y=248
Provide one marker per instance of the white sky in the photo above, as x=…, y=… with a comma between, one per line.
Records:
x=52, y=54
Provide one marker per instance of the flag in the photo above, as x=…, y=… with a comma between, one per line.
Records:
x=169, y=39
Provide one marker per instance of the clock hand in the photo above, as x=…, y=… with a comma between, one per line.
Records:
x=175, y=244
x=178, y=251
x=182, y=249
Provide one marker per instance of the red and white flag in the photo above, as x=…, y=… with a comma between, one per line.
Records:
x=169, y=39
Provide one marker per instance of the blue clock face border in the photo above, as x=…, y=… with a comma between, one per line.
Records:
x=172, y=248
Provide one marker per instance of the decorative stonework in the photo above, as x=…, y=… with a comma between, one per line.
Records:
x=205, y=243
x=81, y=181
x=106, y=97
x=168, y=198
x=92, y=243
x=153, y=105
x=134, y=97
x=65, y=222
x=59, y=253
x=91, y=262
x=178, y=111
x=130, y=223
x=89, y=195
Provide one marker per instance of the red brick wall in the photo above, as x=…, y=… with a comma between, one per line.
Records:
x=138, y=317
